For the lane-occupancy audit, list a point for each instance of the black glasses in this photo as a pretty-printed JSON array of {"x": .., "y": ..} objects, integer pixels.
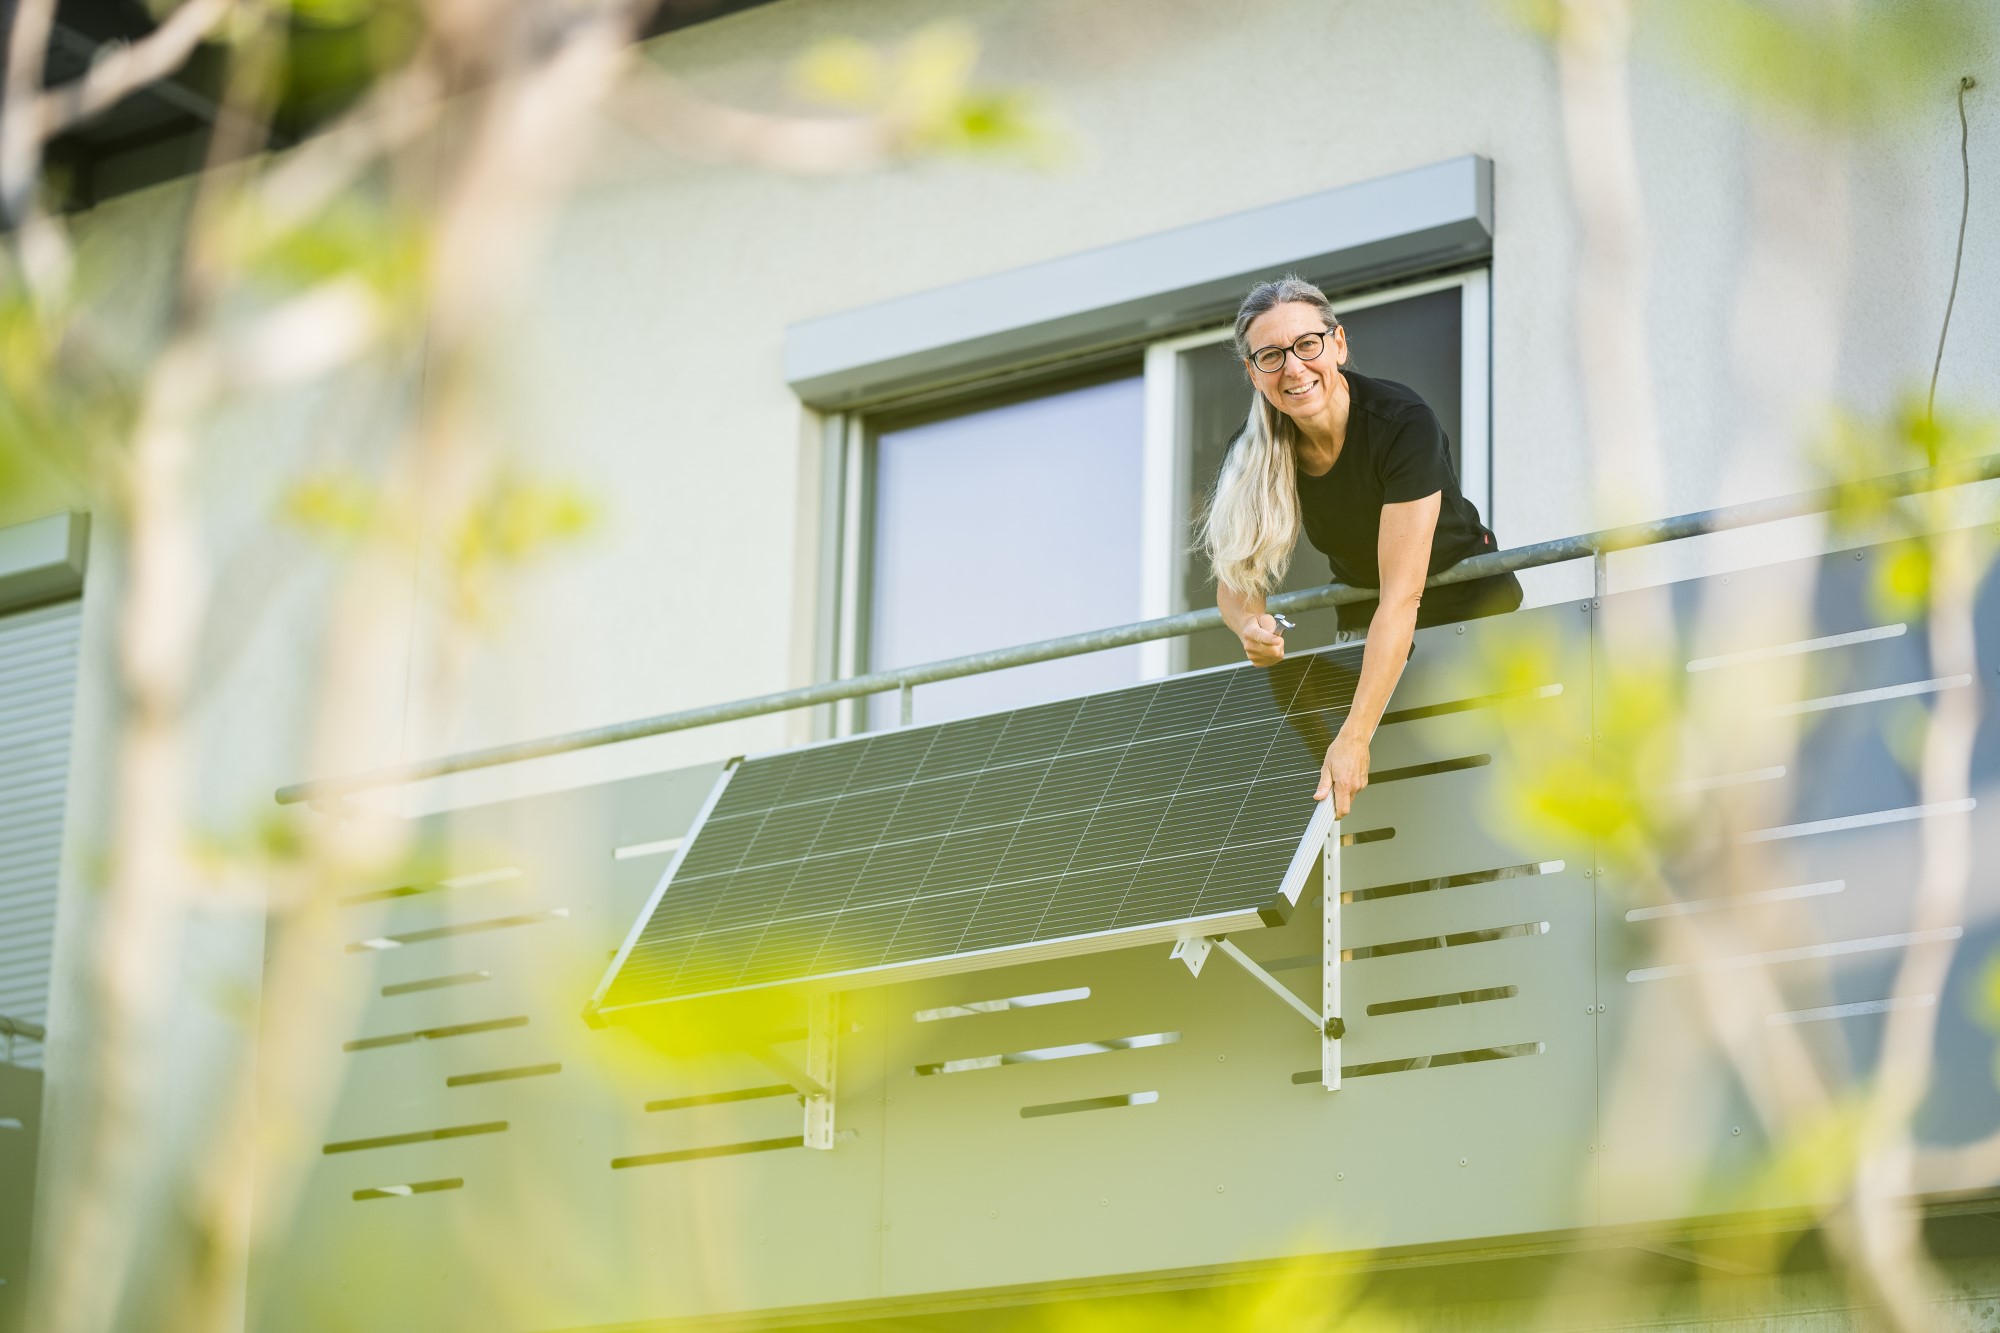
[{"x": 1305, "y": 348}]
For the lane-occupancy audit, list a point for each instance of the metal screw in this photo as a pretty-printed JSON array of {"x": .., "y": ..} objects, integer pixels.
[
  {"x": 993, "y": 1212},
  {"x": 1461, "y": 629},
  {"x": 1857, "y": 555},
  {"x": 1735, "y": 1129},
  {"x": 1218, "y": 1189},
  {"x": 1586, "y": 874},
  {"x": 1590, "y": 1147},
  {"x": 1587, "y": 1009},
  {"x": 1104, "y": 1203},
  {"x": 1461, "y": 1161},
  {"x": 1340, "y": 1175},
  {"x": 1221, "y": 1058}
]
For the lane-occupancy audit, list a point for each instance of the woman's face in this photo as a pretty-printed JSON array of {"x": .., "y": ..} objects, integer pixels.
[{"x": 1298, "y": 388}]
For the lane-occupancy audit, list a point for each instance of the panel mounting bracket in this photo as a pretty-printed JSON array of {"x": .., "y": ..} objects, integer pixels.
[
  {"x": 822, "y": 1052},
  {"x": 1332, "y": 1026},
  {"x": 1193, "y": 951},
  {"x": 814, "y": 1083}
]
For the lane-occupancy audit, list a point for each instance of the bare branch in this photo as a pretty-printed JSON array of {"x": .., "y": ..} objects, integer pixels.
[
  {"x": 665, "y": 111},
  {"x": 20, "y": 145},
  {"x": 121, "y": 71}
]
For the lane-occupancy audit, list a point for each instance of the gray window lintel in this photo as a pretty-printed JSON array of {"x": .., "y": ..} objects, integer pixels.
[
  {"x": 43, "y": 560},
  {"x": 1426, "y": 217}
]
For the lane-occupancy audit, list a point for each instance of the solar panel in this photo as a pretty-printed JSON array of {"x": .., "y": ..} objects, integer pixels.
[{"x": 1148, "y": 813}]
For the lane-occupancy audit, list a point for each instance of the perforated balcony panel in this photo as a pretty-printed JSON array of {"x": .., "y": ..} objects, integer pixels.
[
  {"x": 1793, "y": 914},
  {"x": 493, "y": 1162}
]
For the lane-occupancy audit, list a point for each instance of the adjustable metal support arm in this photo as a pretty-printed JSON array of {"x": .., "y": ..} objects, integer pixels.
[
  {"x": 1326, "y": 1020},
  {"x": 814, "y": 1083}
]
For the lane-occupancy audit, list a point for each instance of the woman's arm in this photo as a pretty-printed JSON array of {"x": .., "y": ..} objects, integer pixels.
[
  {"x": 1404, "y": 554},
  {"x": 1244, "y": 614}
]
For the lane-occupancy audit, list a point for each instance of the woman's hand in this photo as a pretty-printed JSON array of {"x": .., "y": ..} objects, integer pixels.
[
  {"x": 1262, "y": 643},
  {"x": 1343, "y": 773}
]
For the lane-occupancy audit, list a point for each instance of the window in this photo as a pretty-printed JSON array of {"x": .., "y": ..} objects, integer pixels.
[
  {"x": 1431, "y": 336},
  {"x": 982, "y": 522},
  {"x": 1010, "y": 522},
  {"x": 1070, "y": 505}
]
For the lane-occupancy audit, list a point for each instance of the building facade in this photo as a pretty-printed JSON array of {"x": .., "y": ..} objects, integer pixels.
[{"x": 842, "y": 424}]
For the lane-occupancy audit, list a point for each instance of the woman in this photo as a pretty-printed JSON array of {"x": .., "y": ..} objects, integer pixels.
[{"x": 1363, "y": 465}]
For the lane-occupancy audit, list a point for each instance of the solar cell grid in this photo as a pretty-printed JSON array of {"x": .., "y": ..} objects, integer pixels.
[{"x": 1167, "y": 801}]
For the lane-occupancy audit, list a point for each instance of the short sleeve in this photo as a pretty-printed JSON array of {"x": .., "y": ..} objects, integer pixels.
[{"x": 1417, "y": 461}]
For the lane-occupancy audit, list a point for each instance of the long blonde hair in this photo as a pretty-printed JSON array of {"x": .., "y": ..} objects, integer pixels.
[{"x": 1251, "y": 521}]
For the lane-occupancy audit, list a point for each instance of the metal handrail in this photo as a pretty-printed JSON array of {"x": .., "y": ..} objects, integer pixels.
[
  {"x": 22, "y": 1028},
  {"x": 1584, "y": 545}
]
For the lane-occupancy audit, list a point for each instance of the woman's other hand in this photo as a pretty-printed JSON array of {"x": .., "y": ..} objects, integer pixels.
[
  {"x": 1343, "y": 773},
  {"x": 1262, "y": 643}
]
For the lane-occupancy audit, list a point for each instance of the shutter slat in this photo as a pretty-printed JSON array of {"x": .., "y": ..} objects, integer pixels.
[{"x": 38, "y": 654}]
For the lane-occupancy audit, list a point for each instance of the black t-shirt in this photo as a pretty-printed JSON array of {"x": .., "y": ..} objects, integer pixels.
[{"x": 1395, "y": 451}]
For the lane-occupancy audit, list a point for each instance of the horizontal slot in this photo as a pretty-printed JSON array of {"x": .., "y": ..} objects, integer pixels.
[
  {"x": 435, "y": 983},
  {"x": 1089, "y": 1104},
  {"x": 1795, "y": 648},
  {"x": 405, "y": 1191},
  {"x": 1692, "y": 906},
  {"x": 1035, "y": 1001},
  {"x": 1427, "y": 770},
  {"x": 1367, "y": 835},
  {"x": 1472, "y": 1057},
  {"x": 381, "y": 942},
  {"x": 1804, "y": 953},
  {"x": 1855, "y": 1010},
  {"x": 639, "y": 849},
  {"x": 1453, "y": 941},
  {"x": 470, "y": 881},
  {"x": 502, "y": 1075},
  {"x": 433, "y": 1034},
  {"x": 1047, "y": 1053},
  {"x": 11, "y": 1122},
  {"x": 416, "y": 1136},
  {"x": 1692, "y": 786},
  {"x": 1411, "y": 1006},
  {"x": 697, "y": 1154},
  {"x": 721, "y": 1098},
  {"x": 1869, "y": 820},
  {"x": 1853, "y": 698},
  {"x": 1409, "y": 886},
  {"x": 1467, "y": 705}
]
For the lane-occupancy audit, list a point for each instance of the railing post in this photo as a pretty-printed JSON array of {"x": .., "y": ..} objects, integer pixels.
[{"x": 908, "y": 697}]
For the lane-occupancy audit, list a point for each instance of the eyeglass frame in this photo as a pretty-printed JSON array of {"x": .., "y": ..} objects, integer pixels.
[{"x": 1291, "y": 349}]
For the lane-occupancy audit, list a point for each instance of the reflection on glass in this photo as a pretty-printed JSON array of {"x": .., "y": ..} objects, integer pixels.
[{"x": 1000, "y": 527}]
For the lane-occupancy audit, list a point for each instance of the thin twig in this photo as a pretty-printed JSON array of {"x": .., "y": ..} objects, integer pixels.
[{"x": 1965, "y": 84}]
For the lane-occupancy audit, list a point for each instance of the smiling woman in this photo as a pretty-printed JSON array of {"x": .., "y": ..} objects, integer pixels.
[{"x": 1363, "y": 467}]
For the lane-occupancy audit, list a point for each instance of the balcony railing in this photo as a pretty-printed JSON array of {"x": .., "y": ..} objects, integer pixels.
[{"x": 1593, "y": 546}]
